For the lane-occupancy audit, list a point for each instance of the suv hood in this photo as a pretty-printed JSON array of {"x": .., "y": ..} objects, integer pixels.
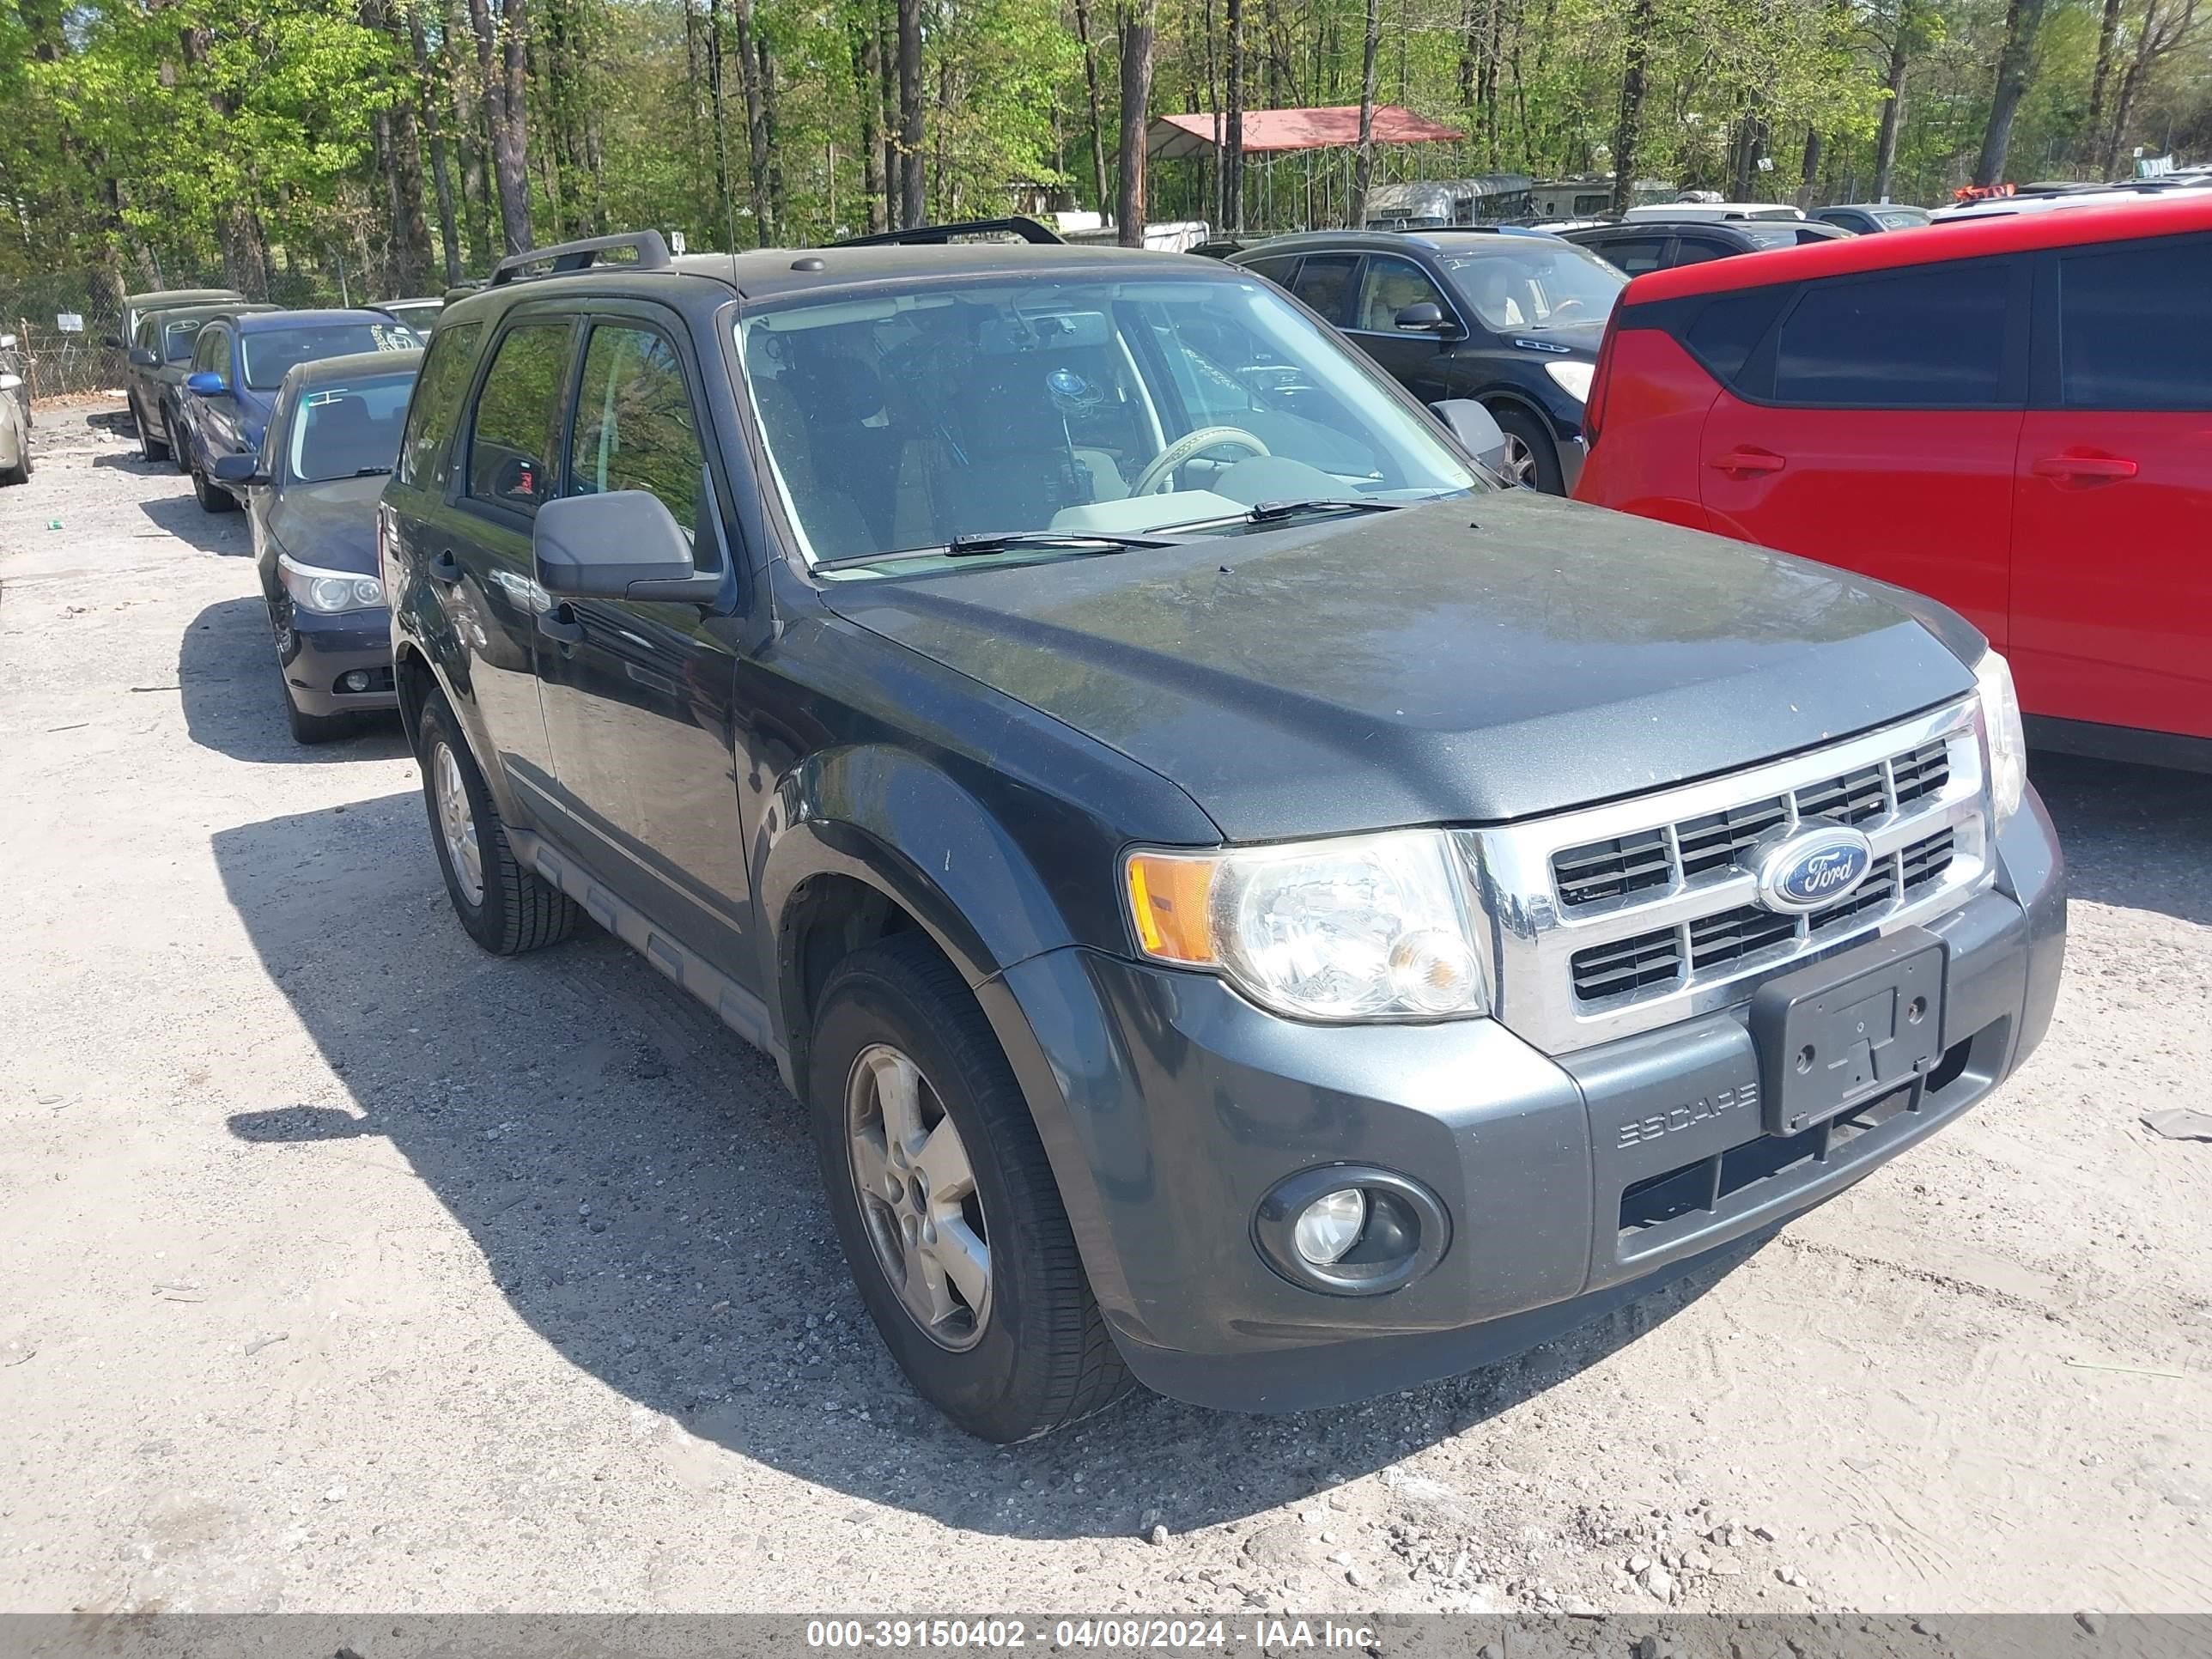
[{"x": 1413, "y": 668}]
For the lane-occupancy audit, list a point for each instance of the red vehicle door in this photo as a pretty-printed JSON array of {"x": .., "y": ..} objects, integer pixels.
[
  {"x": 2111, "y": 598},
  {"x": 1876, "y": 425}
]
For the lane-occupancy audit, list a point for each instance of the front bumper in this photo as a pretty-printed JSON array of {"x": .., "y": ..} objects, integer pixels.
[
  {"x": 1171, "y": 1106},
  {"x": 316, "y": 652}
]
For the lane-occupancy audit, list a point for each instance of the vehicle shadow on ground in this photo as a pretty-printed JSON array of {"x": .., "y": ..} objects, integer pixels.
[
  {"x": 133, "y": 462},
  {"x": 645, "y": 1195},
  {"x": 234, "y": 700},
  {"x": 183, "y": 516},
  {"x": 2139, "y": 837}
]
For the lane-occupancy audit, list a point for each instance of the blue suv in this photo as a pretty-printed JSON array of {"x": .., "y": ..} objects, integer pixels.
[{"x": 237, "y": 363}]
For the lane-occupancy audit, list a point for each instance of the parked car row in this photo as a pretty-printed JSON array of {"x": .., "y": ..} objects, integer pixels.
[{"x": 298, "y": 415}]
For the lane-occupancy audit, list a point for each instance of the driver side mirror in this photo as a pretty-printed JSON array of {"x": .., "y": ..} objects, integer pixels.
[
  {"x": 240, "y": 469},
  {"x": 206, "y": 383},
  {"x": 1426, "y": 318},
  {"x": 624, "y": 544},
  {"x": 1477, "y": 430},
  {"x": 113, "y": 342},
  {"x": 141, "y": 358}
]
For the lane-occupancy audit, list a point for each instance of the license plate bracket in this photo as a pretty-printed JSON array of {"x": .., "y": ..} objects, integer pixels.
[{"x": 1839, "y": 1032}]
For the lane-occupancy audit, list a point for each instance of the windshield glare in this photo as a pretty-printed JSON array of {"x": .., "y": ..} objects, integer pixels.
[
  {"x": 1534, "y": 285},
  {"x": 345, "y": 431},
  {"x": 898, "y": 422},
  {"x": 267, "y": 354}
]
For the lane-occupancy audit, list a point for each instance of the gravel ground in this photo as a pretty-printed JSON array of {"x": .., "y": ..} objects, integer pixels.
[{"x": 348, "y": 1268}]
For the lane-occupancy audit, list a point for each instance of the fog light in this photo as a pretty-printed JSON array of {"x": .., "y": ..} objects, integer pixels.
[
  {"x": 354, "y": 679},
  {"x": 1330, "y": 1225}
]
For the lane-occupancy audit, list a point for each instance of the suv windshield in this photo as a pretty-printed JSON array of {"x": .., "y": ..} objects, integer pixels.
[
  {"x": 1529, "y": 284},
  {"x": 347, "y": 431},
  {"x": 903, "y": 422},
  {"x": 268, "y": 353}
]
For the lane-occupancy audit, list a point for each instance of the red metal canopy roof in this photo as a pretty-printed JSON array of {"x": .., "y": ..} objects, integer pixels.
[{"x": 1270, "y": 131}]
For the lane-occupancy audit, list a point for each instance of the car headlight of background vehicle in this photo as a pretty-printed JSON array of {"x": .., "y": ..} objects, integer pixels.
[
  {"x": 1366, "y": 928},
  {"x": 1572, "y": 378},
  {"x": 328, "y": 593},
  {"x": 2008, "y": 736}
]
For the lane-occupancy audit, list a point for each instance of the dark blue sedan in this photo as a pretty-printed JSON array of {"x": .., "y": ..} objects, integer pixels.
[{"x": 237, "y": 363}]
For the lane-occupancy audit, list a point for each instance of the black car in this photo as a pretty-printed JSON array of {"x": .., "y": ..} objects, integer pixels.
[
  {"x": 312, "y": 493},
  {"x": 160, "y": 357},
  {"x": 1872, "y": 218},
  {"x": 1512, "y": 318},
  {"x": 1245, "y": 904},
  {"x": 1638, "y": 246}
]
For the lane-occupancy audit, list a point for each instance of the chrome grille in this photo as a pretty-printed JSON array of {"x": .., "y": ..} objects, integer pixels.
[{"x": 1622, "y": 918}]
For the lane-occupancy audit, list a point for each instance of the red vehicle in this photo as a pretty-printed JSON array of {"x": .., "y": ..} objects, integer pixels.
[{"x": 2012, "y": 414}]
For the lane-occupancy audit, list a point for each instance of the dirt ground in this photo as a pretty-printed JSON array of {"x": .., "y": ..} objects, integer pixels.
[{"x": 349, "y": 1268}]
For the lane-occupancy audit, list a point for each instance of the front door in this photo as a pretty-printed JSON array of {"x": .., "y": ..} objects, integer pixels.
[
  {"x": 2112, "y": 597},
  {"x": 638, "y": 696},
  {"x": 1417, "y": 359},
  {"x": 1874, "y": 430}
]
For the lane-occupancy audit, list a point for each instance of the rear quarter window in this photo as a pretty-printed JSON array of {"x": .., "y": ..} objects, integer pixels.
[{"x": 437, "y": 402}]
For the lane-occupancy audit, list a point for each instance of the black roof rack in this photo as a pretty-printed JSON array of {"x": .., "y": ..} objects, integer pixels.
[
  {"x": 1026, "y": 229},
  {"x": 566, "y": 257}
]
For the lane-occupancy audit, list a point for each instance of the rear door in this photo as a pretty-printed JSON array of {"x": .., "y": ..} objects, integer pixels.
[
  {"x": 1873, "y": 427},
  {"x": 2111, "y": 597},
  {"x": 639, "y": 697}
]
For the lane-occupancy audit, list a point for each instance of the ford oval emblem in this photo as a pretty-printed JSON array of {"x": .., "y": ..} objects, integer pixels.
[{"x": 1817, "y": 866}]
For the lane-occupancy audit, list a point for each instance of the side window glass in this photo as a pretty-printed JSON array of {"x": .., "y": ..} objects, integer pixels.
[
  {"x": 220, "y": 357},
  {"x": 1322, "y": 280},
  {"x": 1930, "y": 338},
  {"x": 438, "y": 391},
  {"x": 1695, "y": 250},
  {"x": 511, "y": 438},
  {"x": 1633, "y": 254},
  {"x": 1729, "y": 330},
  {"x": 203, "y": 349},
  {"x": 1389, "y": 287},
  {"x": 2136, "y": 327},
  {"x": 635, "y": 427},
  {"x": 1276, "y": 270}
]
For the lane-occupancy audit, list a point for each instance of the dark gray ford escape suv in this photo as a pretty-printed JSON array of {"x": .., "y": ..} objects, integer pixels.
[{"x": 1247, "y": 905}]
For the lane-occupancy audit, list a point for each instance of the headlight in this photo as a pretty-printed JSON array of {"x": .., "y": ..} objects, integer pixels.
[
  {"x": 328, "y": 593},
  {"x": 1367, "y": 927},
  {"x": 2007, "y": 738},
  {"x": 1573, "y": 379}
]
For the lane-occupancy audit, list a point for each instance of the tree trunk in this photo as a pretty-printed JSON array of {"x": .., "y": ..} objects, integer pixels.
[
  {"x": 1630, "y": 127},
  {"x": 411, "y": 224},
  {"x": 2015, "y": 62},
  {"x": 771, "y": 143},
  {"x": 913, "y": 201},
  {"x": 468, "y": 132},
  {"x": 1893, "y": 108},
  {"x": 2092, "y": 130},
  {"x": 741, "y": 22},
  {"x": 1232, "y": 143},
  {"x": 449, "y": 231},
  {"x": 868, "y": 88},
  {"x": 1091, "y": 92},
  {"x": 1138, "y": 18},
  {"x": 1809, "y": 179},
  {"x": 500, "y": 62},
  {"x": 888, "y": 107},
  {"x": 718, "y": 114},
  {"x": 1363, "y": 165}
]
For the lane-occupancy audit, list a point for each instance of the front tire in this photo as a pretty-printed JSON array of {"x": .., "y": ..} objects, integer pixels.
[
  {"x": 505, "y": 907},
  {"x": 213, "y": 497},
  {"x": 946, "y": 1204},
  {"x": 151, "y": 448},
  {"x": 1532, "y": 458}
]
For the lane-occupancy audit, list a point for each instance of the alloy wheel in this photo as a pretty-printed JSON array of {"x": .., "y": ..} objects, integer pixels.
[
  {"x": 1520, "y": 463},
  {"x": 918, "y": 1197},
  {"x": 457, "y": 823}
]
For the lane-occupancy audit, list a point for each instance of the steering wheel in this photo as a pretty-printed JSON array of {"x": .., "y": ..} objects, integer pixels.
[
  {"x": 1571, "y": 303},
  {"x": 1184, "y": 448}
]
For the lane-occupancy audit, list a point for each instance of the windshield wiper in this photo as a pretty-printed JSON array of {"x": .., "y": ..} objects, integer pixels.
[
  {"x": 1000, "y": 541},
  {"x": 1268, "y": 511}
]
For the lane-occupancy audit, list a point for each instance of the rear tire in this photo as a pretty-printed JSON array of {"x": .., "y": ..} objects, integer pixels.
[
  {"x": 1040, "y": 1357},
  {"x": 506, "y": 907},
  {"x": 180, "y": 442},
  {"x": 1532, "y": 458},
  {"x": 151, "y": 448}
]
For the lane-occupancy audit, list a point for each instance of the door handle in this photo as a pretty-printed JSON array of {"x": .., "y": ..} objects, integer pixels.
[
  {"x": 445, "y": 568},
  {"x": 2085, "y": 469},
  {"x": 560, "y": 623},
  {"x": 1742, "y": 462}
]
